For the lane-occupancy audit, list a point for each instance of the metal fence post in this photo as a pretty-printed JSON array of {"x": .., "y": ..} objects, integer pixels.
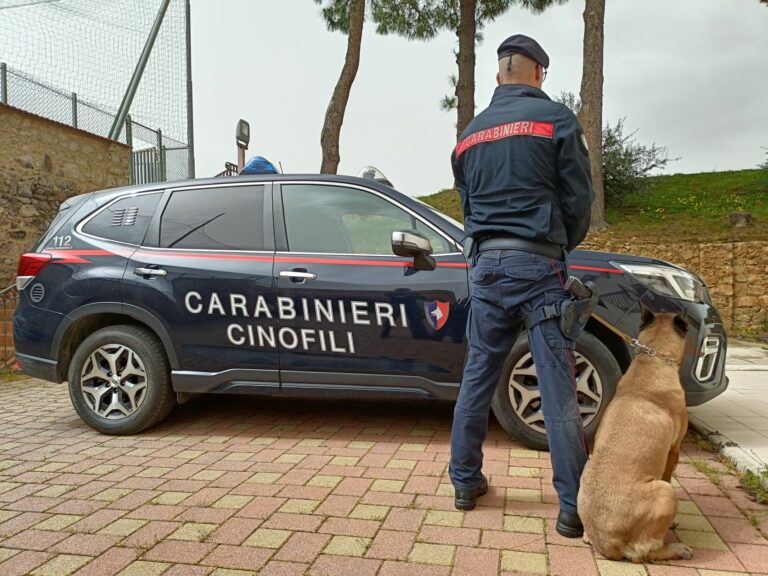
[
  {"x": 3, "y": 83},
  {"x": 160, "y": 156},
  {"x": 129, "y": 142},
  {"x": 190, "y": 124},
  {"x": 74, "y": 109}
]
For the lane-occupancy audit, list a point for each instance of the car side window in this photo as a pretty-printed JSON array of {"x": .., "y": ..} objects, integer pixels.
[
  {"x": 125, "y": 220},
  {"x": 225, "y": 218},
  {"x": 340, "y": 220}
]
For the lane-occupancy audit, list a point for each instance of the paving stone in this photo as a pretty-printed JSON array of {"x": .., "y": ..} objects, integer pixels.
[
  {"x": 268, "y": 538},
  {"x": 387, "y": 486},
  {"x": 345, "y": 461},
  {"x": 693, "y": 522},
  {"x": 472, "y": 562},
  {"x": 282, "y": 568},
  {"x": 39, "y": 540},
  {"x": 708, "y": 540},
  {"x": 23, "y": 563},
  {"x": 193, "y": 532},
  {"x": 144, "y": 568},
  {"x": 440, "y": 554},
  {"x": 122, "y": 527},
  {"x": 179, "y": 551},
  {"x": 754, "y": 558},
  {"x": 299, "y": 506},
  {"x": 330, "y": 565},
  {"x": 613, "y": 568},
  {"x": 347, "y": 545},
  {"x": 88, "y": 544},
  {"x": 264, "y": 478},
  {"x": 443, "y": 518},
  {"x": 392, "y": 568},
  {"x": 110, "y": 562},
  {"x": 369, "y": 512},
  {"x": 58, "y": 522},
  {"x": 325, "y": 481},
  {"x": 61, "y": 565},
  {"x": 302, "y": 547},
  {"x": 524, "y": 524},
  {"x": 568, "y": 560},
  {"x": 171, "y": 498},
  {"x": 350, "y": 527},
  {"x": 528, "y": 562},
  {"x": 232, "y": 502},
  {"x": 523, "y": 495},
  {"x": 399, "y": 464}
]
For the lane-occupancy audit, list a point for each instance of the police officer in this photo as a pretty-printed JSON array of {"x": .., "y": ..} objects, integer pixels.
[{"x": 523, "y": 173}]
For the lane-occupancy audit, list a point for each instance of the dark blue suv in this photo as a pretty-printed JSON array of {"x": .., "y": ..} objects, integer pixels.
[{"x": 284, "y": 285}]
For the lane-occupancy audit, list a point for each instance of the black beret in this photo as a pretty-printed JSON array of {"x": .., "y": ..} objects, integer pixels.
[{"x": 520, "y": 44}]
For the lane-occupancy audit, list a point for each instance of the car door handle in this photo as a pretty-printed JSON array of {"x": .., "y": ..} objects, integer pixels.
[
  {"x": 149, "y": 272},
  {"x": 297, "y": 276}
]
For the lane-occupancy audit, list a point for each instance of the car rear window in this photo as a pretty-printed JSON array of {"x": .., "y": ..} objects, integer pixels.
[
  {"x": 125, "y": 220},
  {"x": 214, "y": 219}
]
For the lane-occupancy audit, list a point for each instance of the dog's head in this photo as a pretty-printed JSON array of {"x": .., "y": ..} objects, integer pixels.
[{"x": 665, "y": 333}]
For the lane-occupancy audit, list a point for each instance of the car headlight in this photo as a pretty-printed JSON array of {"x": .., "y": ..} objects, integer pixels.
[{"x": 668, "y": 281}]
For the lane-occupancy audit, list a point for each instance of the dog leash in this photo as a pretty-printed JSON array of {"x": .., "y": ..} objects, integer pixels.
[{"x": 633, "y": 342}]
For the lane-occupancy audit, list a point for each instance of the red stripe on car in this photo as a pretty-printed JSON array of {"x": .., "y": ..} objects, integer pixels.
[
  {"x": 75, "y": 257},
  {"x": 594, "y": 269}
]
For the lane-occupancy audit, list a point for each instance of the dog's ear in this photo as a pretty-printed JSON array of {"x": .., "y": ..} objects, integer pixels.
[
  {"x": 680, "y": 325},
  {"x": 646, "y": 317}
]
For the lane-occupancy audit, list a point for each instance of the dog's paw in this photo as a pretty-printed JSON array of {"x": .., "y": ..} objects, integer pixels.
[
  {"x": 585, "y": 539},
  {"x": 673, "y": 525},
  {"x": 681, "y": 551}
]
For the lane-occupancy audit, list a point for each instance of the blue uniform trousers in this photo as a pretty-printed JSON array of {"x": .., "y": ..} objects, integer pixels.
[{"x": 505, "y": 285}]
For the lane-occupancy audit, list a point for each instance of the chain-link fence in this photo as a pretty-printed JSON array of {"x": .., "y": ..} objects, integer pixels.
[
  {"x": 73, "y": 60},
  {"x": 172, "y": 163}
]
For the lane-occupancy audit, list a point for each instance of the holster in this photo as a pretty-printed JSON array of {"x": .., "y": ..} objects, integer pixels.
[{"x": 574, "y": 313}]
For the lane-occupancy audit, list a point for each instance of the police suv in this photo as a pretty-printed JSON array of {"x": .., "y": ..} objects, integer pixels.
[{"x": 320, "y": 286}]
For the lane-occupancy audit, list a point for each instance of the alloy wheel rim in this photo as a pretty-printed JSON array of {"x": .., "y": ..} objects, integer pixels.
[
  {"x": 525, "y": 398},
  {"x": 113, "y": 382}
]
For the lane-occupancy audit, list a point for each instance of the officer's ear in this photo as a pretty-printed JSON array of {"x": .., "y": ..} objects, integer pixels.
[{"x": 498, "y": 79}]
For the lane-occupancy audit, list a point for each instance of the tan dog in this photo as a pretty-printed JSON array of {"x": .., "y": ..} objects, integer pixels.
[{"x": 626, "y": 501}]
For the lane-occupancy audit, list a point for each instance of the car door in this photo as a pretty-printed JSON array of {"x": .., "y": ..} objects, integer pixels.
[
  {"x": 353, "y": 318},
  {"x": 205, "y": 272}
]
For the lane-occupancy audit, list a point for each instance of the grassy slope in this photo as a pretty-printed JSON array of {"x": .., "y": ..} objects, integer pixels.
[{"x": 682, "y": 207}]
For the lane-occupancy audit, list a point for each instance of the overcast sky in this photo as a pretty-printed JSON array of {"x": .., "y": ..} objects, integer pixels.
[{"x": 691, "y": 75}]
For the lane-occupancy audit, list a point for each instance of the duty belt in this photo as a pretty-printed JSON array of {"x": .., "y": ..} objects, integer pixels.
[{"x": 508, "y": 243}]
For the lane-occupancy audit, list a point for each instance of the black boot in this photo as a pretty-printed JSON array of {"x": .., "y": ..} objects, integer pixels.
[
  {"x": 569, "y": 525},
  {"x": 466, "y": 499}
]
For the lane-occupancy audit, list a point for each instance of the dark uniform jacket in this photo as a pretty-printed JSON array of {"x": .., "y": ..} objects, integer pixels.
[{"x": 522, "y": 169}]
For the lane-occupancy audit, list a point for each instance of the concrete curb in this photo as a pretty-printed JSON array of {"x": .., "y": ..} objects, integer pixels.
[
  {"x": 742, "y": 459},
  {"x": 746, "y": 367}
]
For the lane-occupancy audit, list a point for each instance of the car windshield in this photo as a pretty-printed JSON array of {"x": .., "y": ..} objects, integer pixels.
[{"x": 445, "y": 217}]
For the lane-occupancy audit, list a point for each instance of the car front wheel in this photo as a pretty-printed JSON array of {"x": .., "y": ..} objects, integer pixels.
[
  {"x": 119, "y": 380},
  {"x": 517, "y": 400}
]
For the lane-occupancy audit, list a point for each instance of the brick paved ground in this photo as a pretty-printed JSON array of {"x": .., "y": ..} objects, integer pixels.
[{"x": 235, "y": 486}]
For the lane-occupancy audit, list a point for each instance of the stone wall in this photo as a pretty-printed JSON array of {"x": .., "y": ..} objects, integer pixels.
[
  {"x": 736, "y": 274},
  {"x": 42, "y": 163}
]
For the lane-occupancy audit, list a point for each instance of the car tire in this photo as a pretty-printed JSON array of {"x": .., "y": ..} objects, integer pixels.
[
  {"x": 136, "y": 396},
  {"x": 516, "y": 402}
]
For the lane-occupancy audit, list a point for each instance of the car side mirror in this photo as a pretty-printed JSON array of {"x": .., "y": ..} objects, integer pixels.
[{"x": 411, "y": 243}]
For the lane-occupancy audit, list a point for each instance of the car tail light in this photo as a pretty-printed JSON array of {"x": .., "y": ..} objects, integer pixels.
[{"x": 30, "y": 266}]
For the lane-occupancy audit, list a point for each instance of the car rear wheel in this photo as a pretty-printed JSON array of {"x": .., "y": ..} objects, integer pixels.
[
  {"x": 119, "y": 380},
  {"x": 517, "y": 400}
]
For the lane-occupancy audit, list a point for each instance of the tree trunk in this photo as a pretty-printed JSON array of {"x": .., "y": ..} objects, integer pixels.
[
  {"x": 465, "y": 58},
  {"x": 334, "y": 115},
  {"x": 591, "y": 116}
]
